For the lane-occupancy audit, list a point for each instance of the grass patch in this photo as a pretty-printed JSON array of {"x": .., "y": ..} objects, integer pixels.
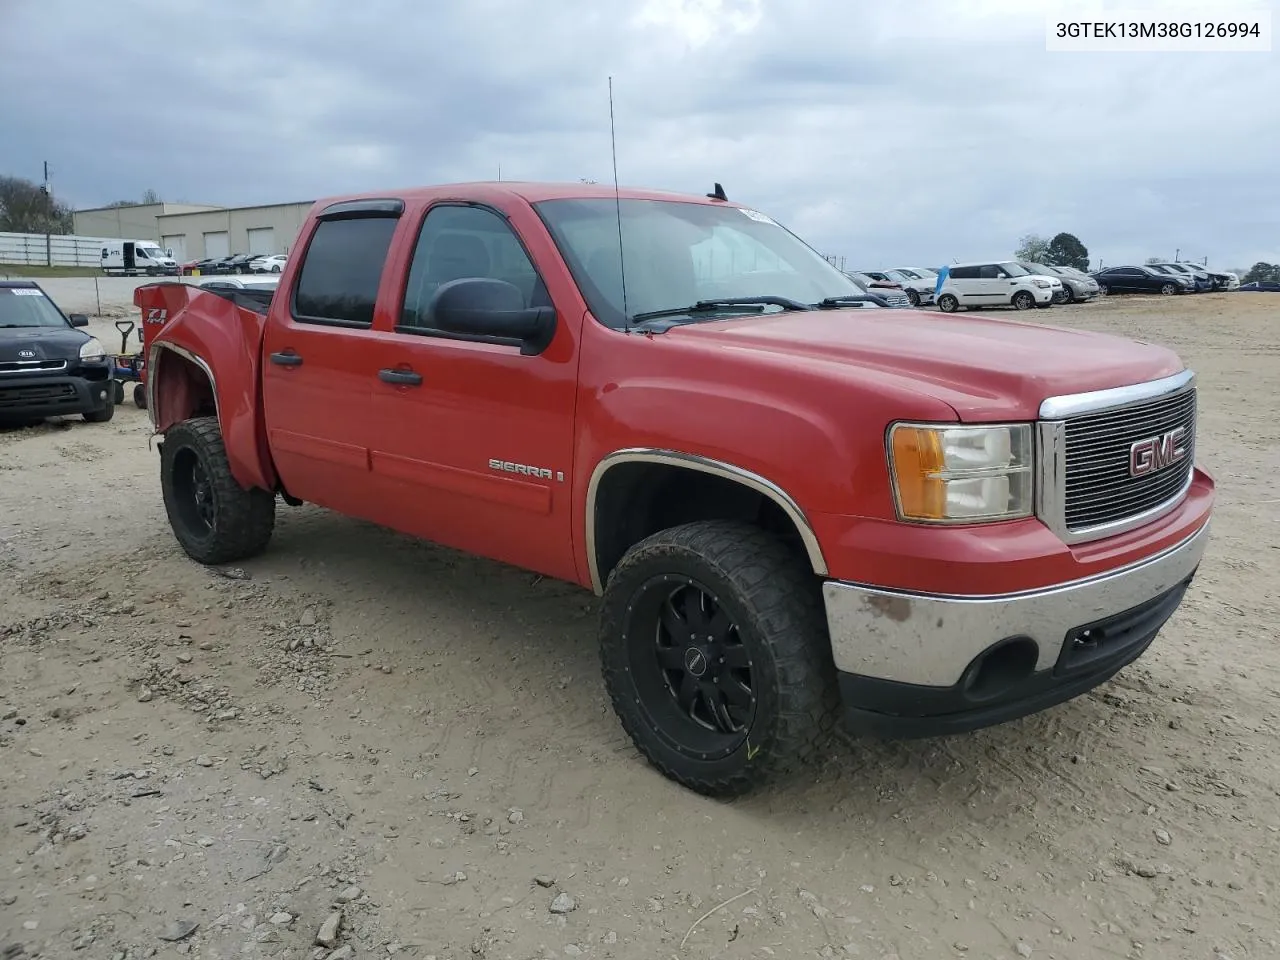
[{"x": 13, "y": 271}]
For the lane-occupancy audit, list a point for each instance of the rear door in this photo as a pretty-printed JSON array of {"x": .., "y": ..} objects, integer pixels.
[
  {"x": 320, "y": 360},
  {"x": 967, "y": 284}
]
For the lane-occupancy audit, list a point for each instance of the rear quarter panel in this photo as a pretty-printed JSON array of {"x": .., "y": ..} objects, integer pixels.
[{"x": 226, "y": 339}]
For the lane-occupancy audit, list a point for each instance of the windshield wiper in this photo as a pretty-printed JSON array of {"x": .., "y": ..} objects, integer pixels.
[
  {"x": 848, "y": 298},
  {"x": 727, "y": 303}
]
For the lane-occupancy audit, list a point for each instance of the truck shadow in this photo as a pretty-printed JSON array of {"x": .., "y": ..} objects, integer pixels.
[{"x": 516, "y": 655}]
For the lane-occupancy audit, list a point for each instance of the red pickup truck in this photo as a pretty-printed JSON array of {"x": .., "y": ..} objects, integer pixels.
[{"x": 798, "y": 506}]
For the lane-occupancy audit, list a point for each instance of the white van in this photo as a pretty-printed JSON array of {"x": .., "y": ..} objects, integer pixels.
[
  {"x": 130, "y": 258},
  {"x": 995, "y": 283}
]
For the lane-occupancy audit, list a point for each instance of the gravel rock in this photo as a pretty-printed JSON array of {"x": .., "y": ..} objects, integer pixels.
[
  {"x": 349, "y": 894},
  {"x": 1163, "y": 838},
  {"x": 145, "y": 696},
  {"x": 327, "y": 935},
  {"x": 178, "y": 930},
  {"x": 562, "y": 904}
]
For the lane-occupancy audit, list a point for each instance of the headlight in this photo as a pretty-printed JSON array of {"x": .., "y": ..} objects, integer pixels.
[
  {"x": 1043, "y": 283},
  {"x": 92, "y": 349},
  {"x": 961, "y": 474}
]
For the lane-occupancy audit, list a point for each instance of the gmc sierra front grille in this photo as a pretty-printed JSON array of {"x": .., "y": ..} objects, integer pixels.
[{"x": 1124, "y": 462}]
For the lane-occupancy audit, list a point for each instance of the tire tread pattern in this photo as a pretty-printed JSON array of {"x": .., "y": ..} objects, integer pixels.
[
  {"x": 786, "y": 602},
  {"x": 246, "y": 518}
]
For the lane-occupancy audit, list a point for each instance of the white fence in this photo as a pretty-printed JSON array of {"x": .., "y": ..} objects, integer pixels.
[{"x": 41, "y": 250}]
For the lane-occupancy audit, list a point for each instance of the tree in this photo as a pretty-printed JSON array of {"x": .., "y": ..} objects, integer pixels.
[
  {"x": 1262, "y": 271},
  {"x": 1066, "y": 250},
  {"x": 1155, "y": 260},
  {"x": 148, "y": 196},
  {"x": 26, "y": 208},
  {"x": 1032, "y": 248}
]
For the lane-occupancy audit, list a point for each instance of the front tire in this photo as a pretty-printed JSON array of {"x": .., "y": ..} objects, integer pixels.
[
  {"x": 1023, "y": 300},
  {"x": 213, "y": 518},
  {"x": 913, "y": 298},
  {"x": 715, "y": 653},
  {"x": 102, "y": 414},
  {"x": 140, "y": 396},
  {"x": 1168, "y": 290}
]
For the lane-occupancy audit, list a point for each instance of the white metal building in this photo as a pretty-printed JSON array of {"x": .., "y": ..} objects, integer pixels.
[{"x": 221, "y": 233}]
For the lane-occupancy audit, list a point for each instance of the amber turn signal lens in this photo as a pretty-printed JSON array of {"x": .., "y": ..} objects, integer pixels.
[{"x": 919, "y": 462}]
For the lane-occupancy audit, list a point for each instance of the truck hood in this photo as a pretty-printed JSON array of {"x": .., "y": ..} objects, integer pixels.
[
  {"x": 44, "y": 343},
  {"x": 985, "y": 368}
]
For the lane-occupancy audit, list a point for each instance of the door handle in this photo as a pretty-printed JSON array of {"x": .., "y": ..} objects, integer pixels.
[
  {"x": 401, "y": 378},
  {"x": 286, "y": 359}
]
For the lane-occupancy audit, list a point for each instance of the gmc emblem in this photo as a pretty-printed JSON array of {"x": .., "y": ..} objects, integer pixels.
[{"x": 1156, "y": 453}]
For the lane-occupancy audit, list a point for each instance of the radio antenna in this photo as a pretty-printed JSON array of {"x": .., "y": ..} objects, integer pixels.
[{"x": 617, "y": 204}]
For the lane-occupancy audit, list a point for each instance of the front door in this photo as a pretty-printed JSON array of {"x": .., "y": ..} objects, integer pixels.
[
  {"x": 320, "y": 362},
  {"x": 474, "y": 446}
]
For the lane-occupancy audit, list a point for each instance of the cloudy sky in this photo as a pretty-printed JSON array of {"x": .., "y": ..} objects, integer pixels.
[{"x": 917, "y": 131}]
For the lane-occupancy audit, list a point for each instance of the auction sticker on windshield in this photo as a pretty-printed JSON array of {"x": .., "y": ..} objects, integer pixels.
[
  {"x": 25, "y": 292},
  {"x": 757, "y": 216}
]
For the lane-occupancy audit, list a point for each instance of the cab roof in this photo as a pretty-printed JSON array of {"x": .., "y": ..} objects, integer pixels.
[{"x": 529, "y": 191}]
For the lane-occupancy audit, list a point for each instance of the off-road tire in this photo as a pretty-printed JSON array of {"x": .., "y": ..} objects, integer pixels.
[
  {"x": 102, "y": 414},
  {"x": 242, "y": 520},
  {"x": 140, "y": 396},
  {"x": 775, "y": 602},
  {"x": 1022, "y": 300},
  {"x": 117, "y": 391},
  {"x": 948, "y": 303}
]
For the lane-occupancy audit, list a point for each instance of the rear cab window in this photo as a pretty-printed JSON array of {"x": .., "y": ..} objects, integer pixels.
[{"x": 341, "y": 271}]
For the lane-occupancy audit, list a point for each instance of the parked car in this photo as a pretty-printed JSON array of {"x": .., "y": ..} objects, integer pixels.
[
  {"x": 1201, "y": 281},
  {"x": 1220, "y": 280},
  {"x": 1077, "y": 285},
  {"x": 917, "y": 282},
  {"x": 1071, "y": 289},
  {"x": 995, "y": 283},
  {"x": 208, "y": 267},
  {"x": 1261, "y": 286},
  {"x": 890, "y": 293},
  {"x": 1145, "y": 279},
  {"x": 239, "y": 263},
  {"x": 242, "y": 283},
  {"x": 270, "y": 264},
  {"x": 48, "y": 366},
  {"x": 792, "y": 511}
]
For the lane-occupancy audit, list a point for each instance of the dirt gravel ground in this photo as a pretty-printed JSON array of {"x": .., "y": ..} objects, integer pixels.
[{"x": 405, "y": 751}]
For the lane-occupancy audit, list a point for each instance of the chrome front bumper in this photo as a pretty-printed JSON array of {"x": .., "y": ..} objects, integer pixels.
[{"x": 931, "y": 640}]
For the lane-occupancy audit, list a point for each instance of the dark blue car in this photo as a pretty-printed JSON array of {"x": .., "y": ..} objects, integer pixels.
[{"x": 1261, "y": 286}]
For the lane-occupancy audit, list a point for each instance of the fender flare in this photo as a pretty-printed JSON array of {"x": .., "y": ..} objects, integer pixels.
[{"x": 689, "y": 461}]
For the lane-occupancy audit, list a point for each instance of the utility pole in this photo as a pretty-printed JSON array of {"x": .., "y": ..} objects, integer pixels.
[
  {"x": 48, "y": 241},
  {"x": 1176, "y": 251}
]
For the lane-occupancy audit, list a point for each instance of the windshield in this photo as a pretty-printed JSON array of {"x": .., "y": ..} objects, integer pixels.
[
  {"x": 1039, "y": 268},
  {"x": 678, "y": 254},
  {"x": 1015, "y": 270},
  {"x": 28, "y": 307},
  {"x": 154, "y": 253}
]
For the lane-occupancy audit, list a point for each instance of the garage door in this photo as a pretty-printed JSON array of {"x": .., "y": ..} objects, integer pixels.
[
  {"x": 262, "y": 241},
  {"x": 217, "y": 245},
  {"x": 177, "y": 244}
]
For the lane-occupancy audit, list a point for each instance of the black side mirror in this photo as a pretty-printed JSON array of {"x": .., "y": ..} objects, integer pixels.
[
  {"x": 492, "y": 309},
  {"x": 78, "y": 320}
]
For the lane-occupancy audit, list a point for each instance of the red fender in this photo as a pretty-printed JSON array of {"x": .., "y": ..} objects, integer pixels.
[{"x": 186, "y": 329}]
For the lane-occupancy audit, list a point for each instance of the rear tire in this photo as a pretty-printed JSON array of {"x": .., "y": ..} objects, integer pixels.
[
  {"x": 715, "y": 653},
  {"x": 213, "y": 518},
  {"x": 117, "y": 391},
  {"x": 140, "y": 396},
  {"x": 947, "y": 303}
]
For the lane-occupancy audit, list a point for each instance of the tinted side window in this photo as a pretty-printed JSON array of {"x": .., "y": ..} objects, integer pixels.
[
  {"x": 338, "y": 283},
  {"x": 990, "y": 271},
  {"x": 457, "y": 243},
  {"x": 964, "y": 273}
]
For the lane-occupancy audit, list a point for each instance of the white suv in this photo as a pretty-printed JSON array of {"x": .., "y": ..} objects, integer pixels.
[
  {"x": 917, "y": 282},
  {"x": 995, "y": 283}
]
